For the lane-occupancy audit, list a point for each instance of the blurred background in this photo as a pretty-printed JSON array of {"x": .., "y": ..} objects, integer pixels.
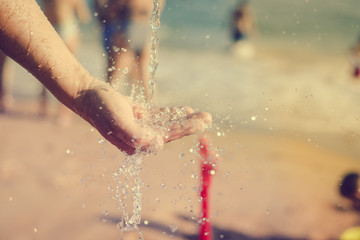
[{"x": 284, "y": 100}]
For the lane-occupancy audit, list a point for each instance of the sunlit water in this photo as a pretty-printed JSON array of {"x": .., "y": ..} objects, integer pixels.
[
  {"x": 129, "y": 183},
  {"x": 155, "y": 25}
]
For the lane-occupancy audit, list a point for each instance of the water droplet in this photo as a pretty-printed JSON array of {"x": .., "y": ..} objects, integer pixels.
[
  {"x": 253, "y": 118},
  {"x": 68, "y": 151},
  {"x": 10, "y": 198},
  {"x": 96, "y": 14},
  {"x": 212, "y": 172},
  {"x": 173, "y": 228},
  {"x": 163, "y": 185},
  {"x": 116, "y": 49},
  {"x": 101, "y": 140},
  {"x": 146, "y": 222},
  {"x": 221, "y": 236},
  {"x": 193, "y": 175},
  {"x": 35, "y": 230},
  {"x": 106, "y": 213},
  {"x": 182, "y": 156}
]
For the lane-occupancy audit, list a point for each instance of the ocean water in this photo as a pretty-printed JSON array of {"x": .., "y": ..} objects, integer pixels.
[
  {"x": 329, "y": 25},
  {"x": 300, "y": 78}
]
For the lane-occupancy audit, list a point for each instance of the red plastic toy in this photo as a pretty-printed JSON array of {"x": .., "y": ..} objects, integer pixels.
[{"x": 208, "y": 163}]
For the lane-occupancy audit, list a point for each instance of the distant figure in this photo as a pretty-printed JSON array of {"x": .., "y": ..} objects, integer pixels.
[
  {"x": 350, "y": 189},
  {"x": 355, "y": 59},
  {"x": 6, "y": 99},
  {"x": 127, "y": 40},
  {"x": 63, "y": 15},
  {"x": 242, "y": 26}
]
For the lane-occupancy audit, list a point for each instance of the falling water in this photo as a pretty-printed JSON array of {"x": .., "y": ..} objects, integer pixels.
[
  {"x": 129, "y": 183},
  {"x": 155, "y": 25},
  {"x": 128, "y": 189}
]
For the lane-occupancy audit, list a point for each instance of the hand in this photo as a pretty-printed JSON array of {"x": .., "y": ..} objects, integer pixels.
[{"x": 133, "y": 127}]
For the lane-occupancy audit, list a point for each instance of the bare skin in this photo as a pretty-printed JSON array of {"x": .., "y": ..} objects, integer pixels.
[
  {"x": 243, "y": 20},
  {"x": 137, "y": 62},
  {"x": 6, "y": 99},
  {"x": 61, "y": 13},
  {"x": 356, "y": 198},
  {"x": 28, "y": 38}
]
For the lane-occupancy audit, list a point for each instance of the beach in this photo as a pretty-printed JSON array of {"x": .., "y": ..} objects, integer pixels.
[
  {"x": 285, "y": 126},
  {"x": 55, "y": 185},
  {"x": 282, "y": 152}
]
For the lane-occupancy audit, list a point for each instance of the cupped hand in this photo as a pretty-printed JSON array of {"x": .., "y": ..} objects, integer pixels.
[{"x": 133, "y": 127}]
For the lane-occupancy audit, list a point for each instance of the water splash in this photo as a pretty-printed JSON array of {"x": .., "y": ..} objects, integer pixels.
[
  {"x": 129, "y": 183},
  {"x": 155, "y": 25},
  {"x": 129, "y": 192}
]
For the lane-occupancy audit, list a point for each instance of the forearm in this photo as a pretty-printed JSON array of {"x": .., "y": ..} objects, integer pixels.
[{"x": 28, "y": 38}]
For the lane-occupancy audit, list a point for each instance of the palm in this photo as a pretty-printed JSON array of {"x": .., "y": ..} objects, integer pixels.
[{"x": 131, "y": 126}]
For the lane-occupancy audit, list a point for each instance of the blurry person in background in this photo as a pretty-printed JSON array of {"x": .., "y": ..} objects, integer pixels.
[
  {"x": 64, "y": 16},
  {"x": 127, "y": 41},
  {"x": 6, "y": 100},
  {"x": 242, "y": 27},
  {"x": 355, "y": 59},
  {"x": 350, "y": 189},
  {"x": 28, "y": 38}
]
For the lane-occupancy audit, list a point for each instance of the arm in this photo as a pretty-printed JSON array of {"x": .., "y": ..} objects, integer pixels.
[{"x": 28, "y": 38}]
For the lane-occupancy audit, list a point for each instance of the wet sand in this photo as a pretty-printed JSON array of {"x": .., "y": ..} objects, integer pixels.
[{"x": 54, "y": 184}]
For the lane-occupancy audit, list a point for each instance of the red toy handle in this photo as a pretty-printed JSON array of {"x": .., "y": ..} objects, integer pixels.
[{"x": 208, "y": 161}]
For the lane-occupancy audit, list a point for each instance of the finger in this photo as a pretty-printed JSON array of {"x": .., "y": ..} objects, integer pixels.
[
  {"x": 192, "y": 124},
  {"x": 163, "y": 116},
  {"x": 139, "y": 111},
  {"x": 174, "y": 110},
  {"x": 188, "y": 110}
]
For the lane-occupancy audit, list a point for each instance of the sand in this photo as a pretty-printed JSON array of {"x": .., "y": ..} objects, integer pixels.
[
  {"x": 55, "y": 184},
  {"x": 295, "y": 133}
]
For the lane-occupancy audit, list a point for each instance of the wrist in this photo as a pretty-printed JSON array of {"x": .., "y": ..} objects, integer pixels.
[{"x": 84, "y": 89}]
